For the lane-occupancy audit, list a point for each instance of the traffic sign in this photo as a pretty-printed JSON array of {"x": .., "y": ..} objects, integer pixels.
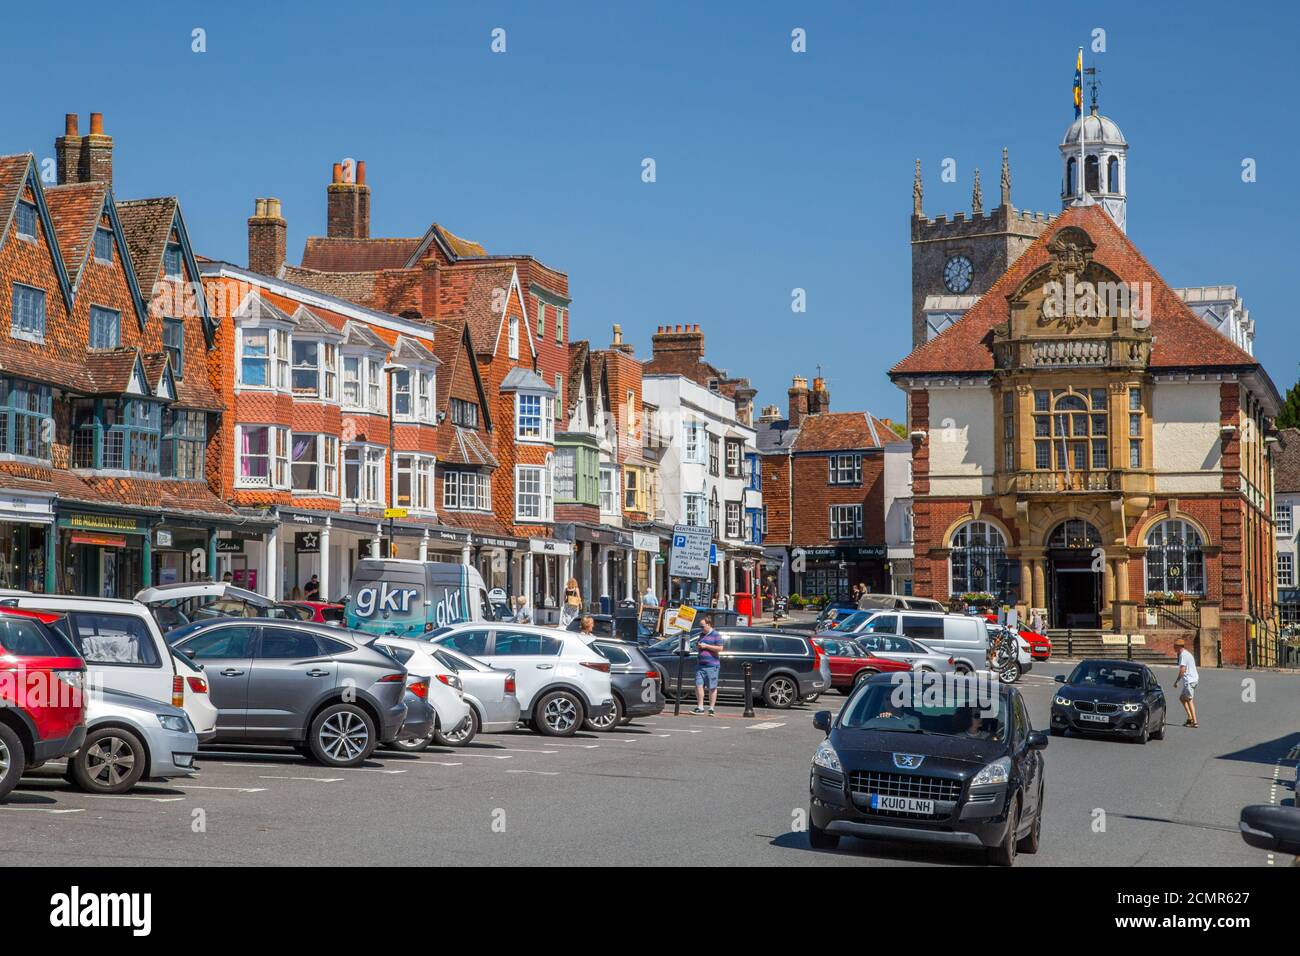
[
  {"x": 395, "y": 512},
  {"x": 691, "y": 551}
]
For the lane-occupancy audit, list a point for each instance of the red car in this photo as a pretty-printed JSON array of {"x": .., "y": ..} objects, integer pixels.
[
  {"x": 42, "y": 704},
  {"x": 850, "y": 663},
  {"x": 1040, "y": 647},
  {"x": 319, "y": 612}
]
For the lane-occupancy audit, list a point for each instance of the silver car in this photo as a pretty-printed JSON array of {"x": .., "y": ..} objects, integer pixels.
[
  {"x": 894, "y": 647},
  {"x": 321, "y": 689},
  {"x": 131, "y": 738},
  {"x": 490, "y": 692}
]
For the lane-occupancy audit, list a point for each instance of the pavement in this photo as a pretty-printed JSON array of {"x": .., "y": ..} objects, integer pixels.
[{"x": 669, "y": 790}]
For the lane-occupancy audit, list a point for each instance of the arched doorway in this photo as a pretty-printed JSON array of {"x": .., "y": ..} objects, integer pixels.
[{"x": 1074, "y": 584}]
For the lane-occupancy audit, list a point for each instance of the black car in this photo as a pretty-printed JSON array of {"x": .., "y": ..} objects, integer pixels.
[
  {"x": 636, "y": 683},
  {"x": 784, "y": 668},
  {"x": 939, "y": 759},
  {"x": 605, "y": 625},
  {"x": 1117, "y": 698}
]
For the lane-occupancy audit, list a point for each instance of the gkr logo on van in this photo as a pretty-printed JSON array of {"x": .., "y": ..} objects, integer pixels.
[{"x": 383, "y": 600}]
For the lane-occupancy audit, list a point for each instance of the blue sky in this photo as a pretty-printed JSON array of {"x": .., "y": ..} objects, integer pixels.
[{"x": 775, "y": 170}]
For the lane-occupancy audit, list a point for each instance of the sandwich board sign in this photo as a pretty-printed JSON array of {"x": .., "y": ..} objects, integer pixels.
[
  {"x": 691, "y": 551},
  {"x": 682, "y": 619}
]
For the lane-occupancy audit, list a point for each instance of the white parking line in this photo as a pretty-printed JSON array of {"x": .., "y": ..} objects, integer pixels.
[
  {"x": 513, "y": 750},
  {"x": 371, "y": 770},
  {"x": 312, "y": 779},
  {"x": 111, "y": 796},
  {"x": 44, "y": 809},
  {"x": 540, "y": 773},
  {"x": 487, "y": 756},
  {"x": 196, "y": 786},
  {"x": 768, "y": 725}
]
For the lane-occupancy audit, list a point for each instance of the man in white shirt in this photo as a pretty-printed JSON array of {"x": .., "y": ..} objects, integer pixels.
[{"x": 1186, "y": 680}]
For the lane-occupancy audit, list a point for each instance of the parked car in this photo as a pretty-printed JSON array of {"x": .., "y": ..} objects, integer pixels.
[
  {"x": 319, "y": 612},
  {"x": 898, "y": 602},
  {"x": 489, "y": 691},
  {"x": 962, "y": 637},
  {"x": 42, "y": 694},
  {"x": 130, "y": 738},
  {"x": 445, "y": 692},
  {"x": 1013, "y": 670},
  {"x": 408, "y": 598},
  {"x": 310, "y": 685},
  {"x": 421, "y": 717},
  {"x": 606, "y": 625},
  {"x": 1040, "y": 645},
  {"x": 892, "y": 646},
  {"x": 832, "y": 612},
  {"x": 560, "y": 681},
  {"x": 963, "y": 768},
  {"x": 175, "y": 605},
  {"x": 1117, "y": 698},
  {"x": 124, "y": 649},
  {"x": 850, "y": 664},
  {"x": 786, "y": 668},
  {"x": 635, "y": 682}
]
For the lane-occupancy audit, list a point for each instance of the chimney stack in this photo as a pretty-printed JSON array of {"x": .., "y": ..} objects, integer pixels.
[
  {"x": 770, "y": 413},
  {"x": 347, "y": 204},
  {"x": 618, "y": 345},
  {"x": 686, "y": 343},
  {"x": 798, "y": 401},
  {"x": 820, "y": 398},
  {"x": 97, "y": 153},
  {"x": 67, "y": 152},
  {"x": 267, "y": 232}
]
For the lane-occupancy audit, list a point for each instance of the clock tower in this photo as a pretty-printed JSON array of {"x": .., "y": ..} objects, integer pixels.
[{"x": 955, "y": 260}]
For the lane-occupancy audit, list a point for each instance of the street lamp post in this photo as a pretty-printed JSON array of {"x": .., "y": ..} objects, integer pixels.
[{"x": 390, "y": 370}]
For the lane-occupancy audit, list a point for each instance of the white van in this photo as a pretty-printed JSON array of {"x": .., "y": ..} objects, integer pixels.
[
  {"x": 124, "y": 650},
  {"x": 406, "y": 598},
  {"x": 960, "y": 636}
]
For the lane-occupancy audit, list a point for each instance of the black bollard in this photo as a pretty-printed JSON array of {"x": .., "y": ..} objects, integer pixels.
[
  {"x": 681, "y": 661},
  {"x": 749, "y": 689}
]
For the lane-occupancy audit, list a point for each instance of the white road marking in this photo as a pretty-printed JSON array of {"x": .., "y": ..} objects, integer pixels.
[
  {"x": 44, "y": 809},
  {"x": 195, "y": 786},
  {"x": 766, "y": 725},
  {"x": 112, "y": 796},
  {"x": 513, "y": 750},
  {"x": 371, "y": 770},
  {"x": 487, "y": 756},
  {"x": 540, "y": 773},
  {"x": 312, "y": 779}
]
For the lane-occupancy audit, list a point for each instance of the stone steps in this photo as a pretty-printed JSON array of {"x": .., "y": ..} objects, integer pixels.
[{"x": 1089, "y": 643}]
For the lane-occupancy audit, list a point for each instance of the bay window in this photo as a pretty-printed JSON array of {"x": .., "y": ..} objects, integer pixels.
[
  {"x": 352, "y": 381},
  {"x": 363, "y": 474},
  {"x": 533, "y": 492},
  {"x": 413, "y": 477},
  {"x": 413, "y": 391},
  {"x": 374, "y": 384},
  {"x": 608, "y": 489},
  {"x": 264, "y": 358},
  {"x": 733, "y": 520},
  {"x": 315, "y": 369},
  {"x": 26, "y": 425},
  {"x": 263, "y": 452},
  {"x": 117, "y": 434},
  {"x": 534, "y": 417},
  {"x": 466, "y": 491},
  {"x": 315, "y": 464},
  {"x": 184, "y": 443},
  {"x": 694, "y": 451},
  {"x": 695, "y": 510}
]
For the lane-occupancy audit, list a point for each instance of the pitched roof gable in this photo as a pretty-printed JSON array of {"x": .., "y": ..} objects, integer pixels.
[
  {"x": 1179, "y": 338},
  {"x": 17, "y": 172},
  {"x": 842, "y": 431},
  {"x": 77, "y": 209},
  {"x": 147, "y": 226}
]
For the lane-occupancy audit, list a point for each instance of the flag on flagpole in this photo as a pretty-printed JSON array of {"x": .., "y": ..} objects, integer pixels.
[{"x": 1078, "y": 85}]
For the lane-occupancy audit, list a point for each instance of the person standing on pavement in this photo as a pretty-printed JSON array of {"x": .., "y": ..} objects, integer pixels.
[
  {"x": 649, "y": 599},
  {"x": 522, "y": 614},
  {"x": 1187, "y": 679},
  {"x": 572, "y": 603},
  {"x": 709, "y": 665},
  {"x": 311, "y": 591}
]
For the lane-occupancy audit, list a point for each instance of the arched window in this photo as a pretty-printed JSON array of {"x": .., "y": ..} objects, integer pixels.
[
  {"x": 978, "y": 558},
  {"x": 1112, "y": 175},
  {"x": 1091, "y": 171},
  {"x": 1175, "y": 560},
  {"x": 1071, "y": 168},
  {"x": 1074, "y": 533},
  {"x": 1071, "y": 428}
]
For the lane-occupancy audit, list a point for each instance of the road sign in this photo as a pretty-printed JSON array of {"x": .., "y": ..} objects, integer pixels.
[
  {"x": 691, "y": 549},
  {"x": 395, "y": 512}
]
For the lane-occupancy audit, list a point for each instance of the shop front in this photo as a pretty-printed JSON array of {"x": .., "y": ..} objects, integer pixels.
[
  {"x": 181, "y": 553},
  {"x": 832, "y": 572},
  {"x": 649, "y": 564},
  {"x": 498, "y": 560},
  {"x": 547, "y": 566},
  {"x": 104, "y": 555},
  {"x": 26, "y": 541}
]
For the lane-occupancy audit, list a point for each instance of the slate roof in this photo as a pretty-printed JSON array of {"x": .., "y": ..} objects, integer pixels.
[
  {"x": 413, "y": 350},
  {"x": 360, "y": 334},
  {"x": 312, "y": 324},
  {"x": 1180, "y": 338},
  {"x": 526, "y": 379},
  {"x": 775, "y": 436}
]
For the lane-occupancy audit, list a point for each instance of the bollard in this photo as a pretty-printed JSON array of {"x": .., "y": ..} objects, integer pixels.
[
  {"x": 749, "y": 689},
  {"x": 1069, "y": 643},
  {"x": 681, "y": 662},
  {"x": 1130, "y": 646}
]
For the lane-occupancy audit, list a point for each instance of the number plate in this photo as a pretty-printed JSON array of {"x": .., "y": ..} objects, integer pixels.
[
  {"x": 901, "y": 804},
  {"x": 1095, "y": 718}
]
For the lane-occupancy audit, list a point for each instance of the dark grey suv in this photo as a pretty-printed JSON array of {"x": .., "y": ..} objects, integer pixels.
[
  {"x": 322, "y": 689},
  {"x": 786, "y": 668},
  {"x": 636, "y": 683}
]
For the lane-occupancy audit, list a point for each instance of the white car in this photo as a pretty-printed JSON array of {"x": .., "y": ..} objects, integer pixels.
[
  {"x": 446, "y": 693},
  {"x": 131, "y": 738},
  {"x": 560, "y": 681},
  {"x": 124, "y": 650},
  {"x": 896, "y": 648}
]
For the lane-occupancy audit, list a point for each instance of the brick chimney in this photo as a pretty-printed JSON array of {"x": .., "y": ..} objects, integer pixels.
[
  {"x": 820, "y": 398},
  {"x": 97, "y": 153},
  {"x": 347, "y": 205},
  {"x": 769, "y": 414},
  {"x": 67, "y": 151},
  {"x": 267, "y": 231},
  {"x": 798, "y": 393},
  {"x": 685, "y": 343}
]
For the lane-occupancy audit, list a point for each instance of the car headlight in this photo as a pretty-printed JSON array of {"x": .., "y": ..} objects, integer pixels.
[
  {"x": 1062, "y": 701},
  {"x": 998, "y": 772},
  {"x": 1132, "y": 708},
  {"x": 176, "y": 724},
  {"x": 827, "y": 757}
]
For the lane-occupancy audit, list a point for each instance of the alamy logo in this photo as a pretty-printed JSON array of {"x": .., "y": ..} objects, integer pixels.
[{"x": 76, "y": 909}]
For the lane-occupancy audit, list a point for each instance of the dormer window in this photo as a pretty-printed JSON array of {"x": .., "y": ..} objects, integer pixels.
[
  {"x": 25, "y": 220},
  {"x": 105, "y": 328},
  {"x": 104, "y": 245},
  {"x": 463, "y": 413},
  {"x": 413, "y": 391},
  {"x": 514, "y": 337},
  {"x": 173, "y": 265},
  {"x": 174, "y": 344},
  {"x": 534, "y": 417},
  {"x": 315, "y": 369},
  {"x": 264, "y": 358}
]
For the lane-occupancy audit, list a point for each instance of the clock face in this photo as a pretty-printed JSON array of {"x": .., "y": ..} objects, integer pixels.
[{"x": 957, "y": 274}]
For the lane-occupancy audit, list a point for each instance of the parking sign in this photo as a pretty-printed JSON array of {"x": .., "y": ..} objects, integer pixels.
[{"x": 690, "y": 555}]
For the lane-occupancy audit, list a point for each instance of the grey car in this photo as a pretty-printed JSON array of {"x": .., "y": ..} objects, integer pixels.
[
  {"x": 131, "y": 738},
  {"x": 321, "y": 689},
  {"x": 489, "y": 691},
  {"x": 635, "y": 682}
]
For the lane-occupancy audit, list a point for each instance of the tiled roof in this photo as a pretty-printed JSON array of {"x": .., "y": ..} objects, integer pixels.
[
  {"x": 360, "y": 334},
  {"x": 356, "y": 287},
  {"x": 146, "y": 224},
  {"x": 842, "y": 431},
  {"x": 108, "y": 371},
  {"x": 1286, "y": 463},
  {"x": 481, "y": 522},
  {"x": 466, "y": 447},
  {"x": 75, "y": 209},
  {"x": 1179, "y": 338},
  {"x": 163, "y": 494},
  {"x": 480, "y": 298},
  {"x": 578, "y": 370},
  {"x": 325, "y": 254},
  {"x": 13, "y": 169}
]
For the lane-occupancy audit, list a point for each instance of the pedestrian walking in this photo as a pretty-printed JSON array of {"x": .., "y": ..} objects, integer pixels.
[
  {"x": 708, "y": 666},
  {"x": 1186, "y": 681},
  {"x": 522, "y": 614},
  {"x": 572, "y": 603},
  {"x": 649, "y": 599}
]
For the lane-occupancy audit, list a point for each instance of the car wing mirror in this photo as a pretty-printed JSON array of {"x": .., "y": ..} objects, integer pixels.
[
  {"x": 1037, "y": 740},
  {"x": 1271, "y": 828},
  {"x": 822, "y": 721},
  {"x": 188, "y": 652},
  {"x": 1059, "y": 678}
]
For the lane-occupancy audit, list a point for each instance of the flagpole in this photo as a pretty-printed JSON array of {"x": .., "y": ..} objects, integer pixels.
[{"x": 1082, "y": 127}]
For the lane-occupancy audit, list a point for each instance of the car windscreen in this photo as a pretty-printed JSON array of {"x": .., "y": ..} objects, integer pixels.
[
  {"x": 24, "y": 637},
  {"x": 1106, "y": 674},
  {"x": 956, "y": 708},
  {"x": 852, "y": 621}
]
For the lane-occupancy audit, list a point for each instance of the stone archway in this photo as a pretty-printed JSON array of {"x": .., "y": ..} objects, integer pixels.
[
  {"x": 1061, "y": 563},
  {"x": 1074, "y": 574}
]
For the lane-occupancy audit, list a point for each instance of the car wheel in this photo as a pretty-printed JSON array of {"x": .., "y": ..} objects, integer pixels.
[
  {"x": 812, "y": 698},
  {"x": 410, "y": 745},
  {"x": 1144, "y": 735},
  {"x": 1030, "y": 843},
  {"x": 863, "y": 674},
  {"x": 13, "y": 760},
  {"x": 960, "y": 669},
  {"x": 780, "y": 692},
  {"x": 1004, "y": 854},
  {"x": 558, "y": 714},
  {"x": 467, "y": 732},
  {"x": 819, "y": 839},
  {"x": 110, "y": 761},
  {"x": 342, "y": 736},
  {"x": 1159, "y": 732},
  {"x": 1010, "y": 673},
  {"x": 604, "y": 724}
]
